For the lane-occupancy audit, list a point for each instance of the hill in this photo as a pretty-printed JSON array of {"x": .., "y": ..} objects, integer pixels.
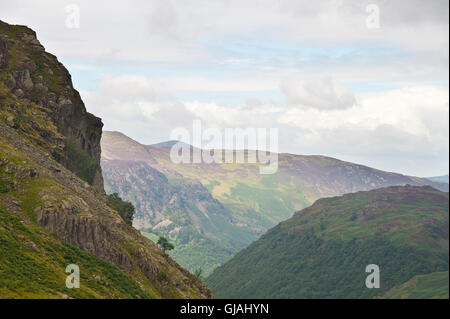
[
  {"x": 442, "y": 179},
  {"x": 429, "y": 286},
  {"x": 53, "y": 208},
  {"x": 211, "y": 211},
  {"x": 323, "y": 250}
]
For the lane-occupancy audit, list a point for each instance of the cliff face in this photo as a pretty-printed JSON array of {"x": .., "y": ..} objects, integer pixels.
[
  {"x": 51, "y": 191},
  {"x": 31, "y": 77}
]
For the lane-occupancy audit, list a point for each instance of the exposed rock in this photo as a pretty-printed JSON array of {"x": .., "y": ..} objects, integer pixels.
[
  {"x": 50, "y": 85},
  {"x": 32, "y": 246},
  {"x": 10, "y": 121},
  {"x": 53, "y": 137}
]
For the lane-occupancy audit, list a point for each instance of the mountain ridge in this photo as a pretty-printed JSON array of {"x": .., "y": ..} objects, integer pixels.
[
  {"x": 52, "y": 195},
  {"x": 247, "y": 203}
]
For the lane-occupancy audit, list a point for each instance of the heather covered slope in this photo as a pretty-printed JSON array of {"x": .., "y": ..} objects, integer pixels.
[
  {"x": 323, "y": 250},
  {"x": 211, "y": 211},
  {"x": 52, "y": 203}
]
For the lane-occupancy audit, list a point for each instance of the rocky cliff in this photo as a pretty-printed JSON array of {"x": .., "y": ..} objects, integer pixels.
[
  {"x": 52, "y": 204},
  {"x": 35, "y": 79}
]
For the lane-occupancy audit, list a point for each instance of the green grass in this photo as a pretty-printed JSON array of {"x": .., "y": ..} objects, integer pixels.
[
  {"x": 429, "y": 286},
  {"x": 26, "y": 273}
]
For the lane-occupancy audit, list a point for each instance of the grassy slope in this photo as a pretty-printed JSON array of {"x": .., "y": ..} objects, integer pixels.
[
  {"x": 323, "y": 250},
  {"x": 33, "y": 261},
  {"x": 429, "y": 286}
]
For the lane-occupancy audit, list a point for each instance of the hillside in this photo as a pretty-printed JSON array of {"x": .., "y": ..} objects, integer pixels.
[
  {"x": 53, "y": 209},
  {"x": 442, "y": 179},
  {"x": 429, "y": 286},
  {"x": 211, "y": 211},
  {"x": 323, "y": 250}
]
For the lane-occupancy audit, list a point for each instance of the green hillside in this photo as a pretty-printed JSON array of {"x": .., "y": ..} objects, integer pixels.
[
  {"x": 430, "y": 286},
  {"x": 322, "y": 251},
  {"x": 212, "y": 211},
  {"x": 33, "y": 262}
]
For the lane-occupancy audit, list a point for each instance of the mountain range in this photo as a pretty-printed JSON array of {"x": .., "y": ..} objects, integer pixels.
[{"x": 212, "y": 211}]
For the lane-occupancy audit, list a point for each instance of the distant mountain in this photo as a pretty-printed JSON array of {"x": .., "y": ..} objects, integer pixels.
[
  {"x": 323, "y": 250},
  {"x": 170, "y": 144},
  {"x": 211, "y": 211},
  {"x": 442, "y": 179},
  {"x": 53, "y": 207}
]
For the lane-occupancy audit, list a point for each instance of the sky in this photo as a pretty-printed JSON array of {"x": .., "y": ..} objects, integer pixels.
[{"x": 362, "y": 81}]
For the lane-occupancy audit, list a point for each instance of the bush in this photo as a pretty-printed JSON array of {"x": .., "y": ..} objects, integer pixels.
[{"x": 125, "y": 209}]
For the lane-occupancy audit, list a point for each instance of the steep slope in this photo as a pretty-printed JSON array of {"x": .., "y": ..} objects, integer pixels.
[
  {"x": 180, "y": 208},
  {"x": 323, "y": 250},
  {"x": 38, "y": 99},
  {"x": 29, "y": 251},
  {"x": 429, "y": 286},
  {"x": 231, "y": 205},
  {"x": 53, "y": 206}
]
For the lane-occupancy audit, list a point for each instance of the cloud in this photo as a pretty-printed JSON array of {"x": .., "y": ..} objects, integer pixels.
[
  {"x": 323, "y": 94},
  {"x": 134, "y": 87},
  {"x": 397, "y": 130},
  {"x": 133, "y": 59}
]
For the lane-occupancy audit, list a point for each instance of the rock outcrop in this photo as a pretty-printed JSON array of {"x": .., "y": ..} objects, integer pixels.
[
  {"x": 50, "y": 179},
  {"x": 35, "y": 76}
]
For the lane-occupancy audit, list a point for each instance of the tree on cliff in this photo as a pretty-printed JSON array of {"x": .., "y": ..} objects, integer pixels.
[
  {"x": 125, "y": 209},
  {"x": 164, "y": 244}
]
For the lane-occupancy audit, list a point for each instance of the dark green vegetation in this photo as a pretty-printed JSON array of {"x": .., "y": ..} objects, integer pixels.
[
  {"x": 125, "y": 209},
  {"x": 80, "y": 162},
  {"x": 33, "y": 262},
  {"x": 165, "y": 244},
  {"x": 322, "y": 251},
  {"x": 212, "y": 211}
]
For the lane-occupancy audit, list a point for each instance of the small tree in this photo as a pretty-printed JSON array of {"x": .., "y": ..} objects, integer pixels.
[
  {"x": 164, "y": 244},
  {"x": 125, "y": 209},
  {"x": 198, "y": 273}
]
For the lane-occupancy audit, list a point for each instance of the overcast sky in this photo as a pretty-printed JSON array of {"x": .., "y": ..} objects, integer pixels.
[{"x": 325, "y": 73}]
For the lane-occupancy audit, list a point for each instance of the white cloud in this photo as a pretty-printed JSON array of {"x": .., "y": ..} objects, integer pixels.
[
  {"x": 196, "y": 46},
  {"x": 323, "y": 94},
  {"x": 394, "y": 130}
]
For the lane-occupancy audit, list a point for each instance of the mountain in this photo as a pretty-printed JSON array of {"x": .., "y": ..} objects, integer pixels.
[
  {"x": 442, "y": 179},
  {"x": 53, "y": 208},
  {"x": 211, "y": 211},
  {"x": 323, "y": 250}
]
